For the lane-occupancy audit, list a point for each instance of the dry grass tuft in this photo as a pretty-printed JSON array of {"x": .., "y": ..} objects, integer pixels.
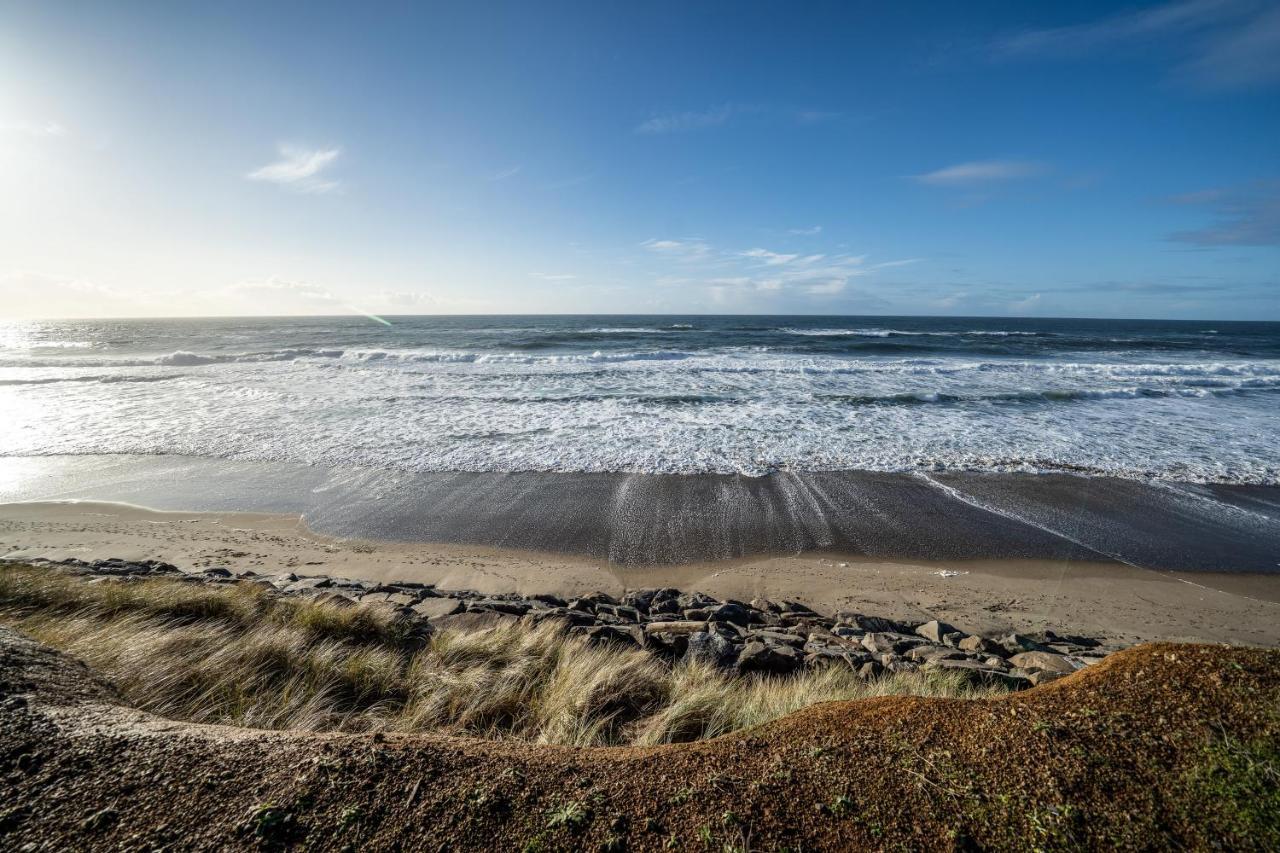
[{"x": 238, "y": 655}]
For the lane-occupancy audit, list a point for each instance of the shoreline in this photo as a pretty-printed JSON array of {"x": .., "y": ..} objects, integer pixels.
[
  {"x": 1094, "y": 597},
  {"x": 657, "y": 519}
]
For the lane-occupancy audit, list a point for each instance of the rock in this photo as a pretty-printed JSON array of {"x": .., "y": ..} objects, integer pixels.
[
  {"x": 620, "y": 611},
  {"x": 764, "y": 605},
  {"x": 729, "y": 612},
  {"x": 981, "y": 645},
  {"x": 548, "y": 600},
  {"x": 920, "y": 654},
  {"x": 1015, "y": 643},
  {"x": 880, "y": 642},
  {"x": 627, "y": 635},
  {"x": 934, "y": 631},
  {"x": 977, "y": 673},
  {"x": 402, "y": 599},
  {"x": 789, "y": 606},
  {"x": 334, "y": 599},
  {"x": 1045, "y": 676},
  {"x": 472, "y": 620},
  {"x": 692, "y": 600},
  {"x": 709, "y": 647},
  {"x": 512, "y": 608},
  {"x": 223, "y": 572},
  {"x": 871, "y": 669},
  {"x": 435, "y": 608},
  {"x": 685, "y": 627},
  {"x": 758, "y": 657},
  {"x": 872, "y": 623},
  {"x": 776, "y": 638},
  {"x": 1043, "y": 661},
  {"x": 669, "y": 644}
]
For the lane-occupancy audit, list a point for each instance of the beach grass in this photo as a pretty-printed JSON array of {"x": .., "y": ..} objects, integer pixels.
[{"x": 237, "y": 654}]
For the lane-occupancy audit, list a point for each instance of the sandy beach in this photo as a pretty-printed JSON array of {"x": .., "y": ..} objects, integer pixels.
[{"x": 1117, "y": 601}]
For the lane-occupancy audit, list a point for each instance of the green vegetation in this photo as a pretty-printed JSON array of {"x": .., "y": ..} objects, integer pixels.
[{"x": 240, "y": 655}]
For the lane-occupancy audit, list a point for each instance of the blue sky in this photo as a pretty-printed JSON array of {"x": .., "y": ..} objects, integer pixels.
[{"x": 1076, "y": 159}]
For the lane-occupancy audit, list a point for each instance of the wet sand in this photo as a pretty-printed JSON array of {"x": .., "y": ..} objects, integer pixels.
[
  {"x": 648, "y": 519},
  {"x": 1103, "y": 598}
]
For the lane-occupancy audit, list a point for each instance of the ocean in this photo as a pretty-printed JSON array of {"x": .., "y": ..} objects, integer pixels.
[{"x": 1182, "y": 401}]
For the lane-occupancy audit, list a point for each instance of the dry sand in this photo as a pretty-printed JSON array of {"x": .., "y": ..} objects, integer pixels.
[{"x": 1109, "y": 600}]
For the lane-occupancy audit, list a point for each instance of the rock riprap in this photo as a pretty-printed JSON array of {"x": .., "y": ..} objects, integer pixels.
[{"x": 760, "y": 636}]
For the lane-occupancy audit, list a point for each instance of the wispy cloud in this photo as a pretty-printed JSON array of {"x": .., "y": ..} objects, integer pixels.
[
  {"x": 689, "y": 248},
  {"x": 686, "y": 121},
  {"x": 300, "y": 169},
  {"x": 767, "y": 257},
  {"x": 900, "y": 263},
  {"x": 1222, "y": 44},
  {"x": 506, "y": 173},
  {"x": 806, "y": 232},
  {"x": 546, "y": 276},
  {"x": 979, "y": 172},
  {"x": 34, "y": 128},
  {"x": 1247, "y": 216}
]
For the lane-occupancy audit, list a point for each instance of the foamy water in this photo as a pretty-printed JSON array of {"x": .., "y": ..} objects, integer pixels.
[{"x": 656, "y": 394}]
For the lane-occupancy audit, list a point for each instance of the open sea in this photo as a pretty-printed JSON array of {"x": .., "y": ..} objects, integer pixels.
[{"x": 1189, "y": 401}]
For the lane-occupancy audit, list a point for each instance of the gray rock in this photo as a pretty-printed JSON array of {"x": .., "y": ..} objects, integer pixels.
[
  {"x": 935, "y": 631},
  {"x": 1015, "y": 643},
  {"x": 758, "y": 657},
  {"x": 1043, "y": 661},
  {"x": 709, "y": 647},
  {"x": 685, "y": 627},
  {"x": 981, "y": 645},
  {"x": 434, "y": 608}
]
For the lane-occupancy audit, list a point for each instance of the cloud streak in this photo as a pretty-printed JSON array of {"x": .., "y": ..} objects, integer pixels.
[
  {"x": 979, "y": 173},
  {"x": 1223, "y": 44},
  {"x": 1247, "y": 216},
  {"x": 300, "y": 169},
  {"x": 686, "y": 121}
]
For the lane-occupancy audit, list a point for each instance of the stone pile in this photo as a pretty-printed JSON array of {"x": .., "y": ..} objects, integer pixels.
[{"x": 760, "y": 636}]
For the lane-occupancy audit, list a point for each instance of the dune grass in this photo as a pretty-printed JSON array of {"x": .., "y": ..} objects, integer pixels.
[{"x": 240, "y": 655}]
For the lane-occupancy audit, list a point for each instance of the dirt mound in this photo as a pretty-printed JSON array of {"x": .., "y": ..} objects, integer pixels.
[{"x": 1159, "y": 746}]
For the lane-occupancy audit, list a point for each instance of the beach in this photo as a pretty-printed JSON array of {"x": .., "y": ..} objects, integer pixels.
[{"x": 1090, "y": 597}]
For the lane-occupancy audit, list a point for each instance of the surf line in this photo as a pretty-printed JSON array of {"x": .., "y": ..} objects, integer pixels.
[{"x": 955, "y": 493}]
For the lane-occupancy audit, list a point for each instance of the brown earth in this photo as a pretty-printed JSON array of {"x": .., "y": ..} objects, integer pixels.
[{"x": 1158, "y": 747}]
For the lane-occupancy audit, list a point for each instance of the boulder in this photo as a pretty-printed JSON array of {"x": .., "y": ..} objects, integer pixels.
[
  {"x": 776, "y": 638},
  {"x": 709, "y": 647},
  {"x": 920, "y": 654},
  {"x": 511, "y": 608},
  {"x": 935, "y": 631},
  {"x": 881, "y": 642},
  {"x": 685, "y": 627},
  {"x": 434, "y": 608},
  {"x": 1015, "y": 643},
  {"x": 872, "y": 623},
  {"x": 981, "y": 645},
  {"x": 1046, "y": 661},
  {"x": 758, "y": 657},
  {"x": 627, "y": 635},
  {"x": 730, "y": 612}
]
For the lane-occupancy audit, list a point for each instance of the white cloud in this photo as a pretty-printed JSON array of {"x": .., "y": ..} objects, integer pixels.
[
  {"x": 680, "y": 122},
  {"x": 552, "y": 276},
  {"x": 34, "y": 128},
  {"x": 826, "y": 288},
  {"x": 300, "y": 169},
  {"x": 806, "y": 232},
  {"x": 902, "y": 263},
  {"x": 690, "y": 248},
  {"x": 26, "y": 294},
  {"x": 506, "y": 173},
  {"x": 979, "y": 172},
  {"x": 769, "y": 258}
]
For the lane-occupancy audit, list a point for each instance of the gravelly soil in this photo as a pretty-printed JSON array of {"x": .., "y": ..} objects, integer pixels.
[{"x": 1157, "y": 747}]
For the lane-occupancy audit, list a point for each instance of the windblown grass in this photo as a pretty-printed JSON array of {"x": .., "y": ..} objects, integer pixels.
[{"x": 240, "y": 656}]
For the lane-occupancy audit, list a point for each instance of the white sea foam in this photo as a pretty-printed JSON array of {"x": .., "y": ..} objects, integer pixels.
[{"x": 441, "y": 402}]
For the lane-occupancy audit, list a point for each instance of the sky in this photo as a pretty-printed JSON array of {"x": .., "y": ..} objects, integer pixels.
[{"x": 985, "y": 158}]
